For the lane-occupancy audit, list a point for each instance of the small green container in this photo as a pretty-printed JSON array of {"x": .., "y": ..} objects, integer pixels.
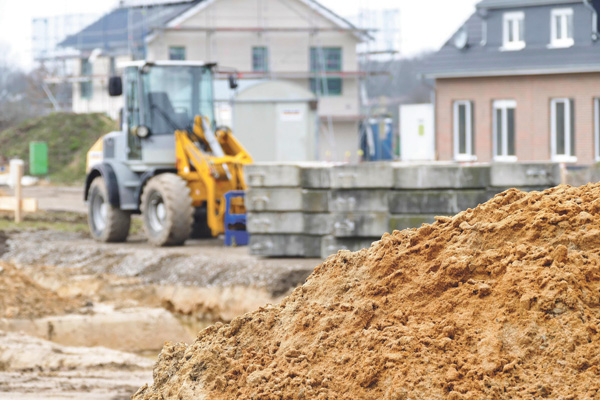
[{"x": 38, "y": 158}]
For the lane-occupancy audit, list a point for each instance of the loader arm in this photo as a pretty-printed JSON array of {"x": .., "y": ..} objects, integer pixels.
[{"x": 209, "y": 176}]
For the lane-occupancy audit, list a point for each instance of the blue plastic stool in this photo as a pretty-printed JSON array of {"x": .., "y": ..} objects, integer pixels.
[{"x": 235, "y": 224}]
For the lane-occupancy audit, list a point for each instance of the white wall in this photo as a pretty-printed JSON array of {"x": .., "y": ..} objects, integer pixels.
[
  {"x": 289, "y": 52},
  {"x": 417, "y": 140}
]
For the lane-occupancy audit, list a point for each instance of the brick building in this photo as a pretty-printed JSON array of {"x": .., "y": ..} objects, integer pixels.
[{"x": 520, "y": 81}]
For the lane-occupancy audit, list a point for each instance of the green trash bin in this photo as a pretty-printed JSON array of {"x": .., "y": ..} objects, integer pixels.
[{"x": 38, "y": 158}]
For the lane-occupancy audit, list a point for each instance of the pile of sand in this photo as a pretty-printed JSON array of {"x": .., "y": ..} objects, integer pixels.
[
  {"x": 502, "y": 301},
  {"x": 20, "y": 297}
]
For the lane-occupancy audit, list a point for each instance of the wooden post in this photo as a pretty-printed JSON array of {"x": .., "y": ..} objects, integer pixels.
[{"x": 18, "y": 194}]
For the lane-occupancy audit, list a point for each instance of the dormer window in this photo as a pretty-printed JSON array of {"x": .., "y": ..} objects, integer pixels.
[
  {"x": 514, "y": 31},
  {"x": 561, "y": 28}
]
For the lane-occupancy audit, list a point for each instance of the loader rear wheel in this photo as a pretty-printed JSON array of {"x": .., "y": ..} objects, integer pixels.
[
  {"x": 167, "y": 210},
  {"x": 107, "y": 223}
]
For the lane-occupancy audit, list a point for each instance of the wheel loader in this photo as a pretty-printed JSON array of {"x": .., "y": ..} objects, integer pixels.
[{"x": 169, "y": 162}]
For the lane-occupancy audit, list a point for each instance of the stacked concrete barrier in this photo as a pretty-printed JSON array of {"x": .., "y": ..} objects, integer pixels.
[
  {"x": 288, "y": 210},
  {"x": 316, "y": 209},
  {"x": 358, "y": 203},
  {"x": 421, "y": 192}
]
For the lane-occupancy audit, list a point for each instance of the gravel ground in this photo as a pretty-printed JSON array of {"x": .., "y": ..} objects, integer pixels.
[{"x": 202, "y": 263}]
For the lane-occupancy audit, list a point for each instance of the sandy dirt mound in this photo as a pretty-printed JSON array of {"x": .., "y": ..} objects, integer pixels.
[
  {"x": 20, "y": 297},
  {"x": 502, "y": 301}
]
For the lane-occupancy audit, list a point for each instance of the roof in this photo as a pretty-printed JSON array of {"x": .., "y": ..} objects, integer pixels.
[
  {"x": 489, "y": 60},
  {"x": 165, "y": 63},
  {"x": 111, "y": 32},
  {"x": 312, "y": 4},
  {"x": 521, "y": 3}
]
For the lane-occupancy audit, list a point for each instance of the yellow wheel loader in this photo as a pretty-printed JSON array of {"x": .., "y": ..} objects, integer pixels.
[{"x": 168, "y": 162}]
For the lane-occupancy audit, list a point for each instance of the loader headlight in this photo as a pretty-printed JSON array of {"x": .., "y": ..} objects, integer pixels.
[{"x": 142, "y": 131}]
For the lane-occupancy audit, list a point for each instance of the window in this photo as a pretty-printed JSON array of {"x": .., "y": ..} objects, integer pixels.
[
  {"x": 504, "y": 130},
  {"x": 597, "y": 127},
  {"x": 513, "y": 31},
  {"x": 177, "y": 53},
  {"x": 260, "y": 59},
  {"x": 561, "y": 28},
  {"x": 133, "y": 113},
  {"x": 562, "y": 130},
  {"x": 85, "y": 87},
  {"x": 322, "y": 61},
  {"x": 463, "y": 131}
]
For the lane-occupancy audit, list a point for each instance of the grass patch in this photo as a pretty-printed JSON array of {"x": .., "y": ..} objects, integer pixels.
[
  {"x": 62, "y": 221},
  {"x": 69, "y": 137},
  {"x": 58, "y": 221}
]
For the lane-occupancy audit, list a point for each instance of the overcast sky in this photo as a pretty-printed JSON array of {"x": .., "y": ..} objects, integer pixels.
[{"x": 425, "y": 24}]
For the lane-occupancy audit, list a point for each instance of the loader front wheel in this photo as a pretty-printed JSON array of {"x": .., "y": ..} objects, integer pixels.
[
  {"x": 107, "y": 223},
  {"x": 167, "y": 210}
]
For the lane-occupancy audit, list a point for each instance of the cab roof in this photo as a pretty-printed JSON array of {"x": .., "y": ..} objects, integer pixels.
[{"x": 166, "y": 63}]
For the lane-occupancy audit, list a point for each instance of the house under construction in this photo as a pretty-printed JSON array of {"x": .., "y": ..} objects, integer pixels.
[{"x": 300, "y": 42}]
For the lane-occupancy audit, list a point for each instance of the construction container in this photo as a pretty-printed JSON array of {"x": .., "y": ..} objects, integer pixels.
[
  {"x": 276, "y": 121},
  {"x": 38, "y": 158}
]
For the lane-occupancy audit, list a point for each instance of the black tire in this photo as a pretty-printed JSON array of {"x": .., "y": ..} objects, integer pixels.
[
  {"x": 107, "y": 223},
  {"x": 167, "y": 211},
  {"x": 200, "y": 229}
]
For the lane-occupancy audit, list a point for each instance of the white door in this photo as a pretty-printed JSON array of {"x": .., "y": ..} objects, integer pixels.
[
  {"x": 417, "y": 141},
  {"x": 292, "y": 143}
]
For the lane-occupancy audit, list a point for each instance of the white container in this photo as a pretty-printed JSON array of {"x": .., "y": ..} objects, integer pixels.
[{"x": 12, "y": 177}]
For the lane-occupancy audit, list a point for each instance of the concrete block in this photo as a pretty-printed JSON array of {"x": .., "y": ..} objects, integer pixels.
[
  {"x": 331, "y": 245},
  {"x": 315, "y": 176},
  {"x": 286, "y": 199},
  {"x": 525, "y": 174},
  {"x": 492, "y": 191},
  {"x": 405, "y": 221},
  {"x": 285, "y": 245},
  {"x": 289, "y": 223},
  {"x": 440, "y": 202},
  {"x": 272, "y": 175},
  {"x": 358, "y": 200},
  {"x": 360, "y": 224},
  {"x": 365, "y": 175},
  {"x": 440, "y": 176}
]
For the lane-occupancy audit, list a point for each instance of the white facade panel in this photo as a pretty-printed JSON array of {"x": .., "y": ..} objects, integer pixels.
[{"x": 417, "y": 141}]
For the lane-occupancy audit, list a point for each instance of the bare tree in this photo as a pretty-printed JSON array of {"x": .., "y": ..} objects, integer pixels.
[{"x": 21, "y": 93}]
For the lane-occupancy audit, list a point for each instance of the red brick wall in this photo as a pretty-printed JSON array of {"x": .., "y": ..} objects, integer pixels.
[{"x": 533, "y": 95}]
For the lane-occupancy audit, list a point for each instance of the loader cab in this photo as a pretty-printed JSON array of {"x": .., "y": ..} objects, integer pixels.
[{"x": 161, "y": 98}]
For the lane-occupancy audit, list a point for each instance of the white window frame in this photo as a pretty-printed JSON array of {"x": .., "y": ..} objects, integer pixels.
[
  {"x": 470, "y": 154},
  {"x": 567, "y": 157},
  {"x": 597, "y": 128},
  {"x": 566, "y": 18},
  {"x": 518, "y": 31},
  {"x": 503, "y": 105}
]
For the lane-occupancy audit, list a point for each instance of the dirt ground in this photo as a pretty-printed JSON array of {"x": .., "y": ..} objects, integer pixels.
[
  {"x": 105, "y": 310},
  {"x": 32, "y": 368},
  {"x": 55, "y": 198}
]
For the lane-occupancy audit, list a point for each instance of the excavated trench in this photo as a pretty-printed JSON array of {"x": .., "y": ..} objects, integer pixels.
[{"x": 70, "y": 291}]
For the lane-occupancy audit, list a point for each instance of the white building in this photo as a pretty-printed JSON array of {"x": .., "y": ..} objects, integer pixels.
[{"x": 294, "y": 40}]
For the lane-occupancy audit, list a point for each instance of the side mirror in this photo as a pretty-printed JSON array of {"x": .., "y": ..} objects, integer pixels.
[
  {"x": 115, "y": 86},
  {"x": 233, "y": 83}
]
